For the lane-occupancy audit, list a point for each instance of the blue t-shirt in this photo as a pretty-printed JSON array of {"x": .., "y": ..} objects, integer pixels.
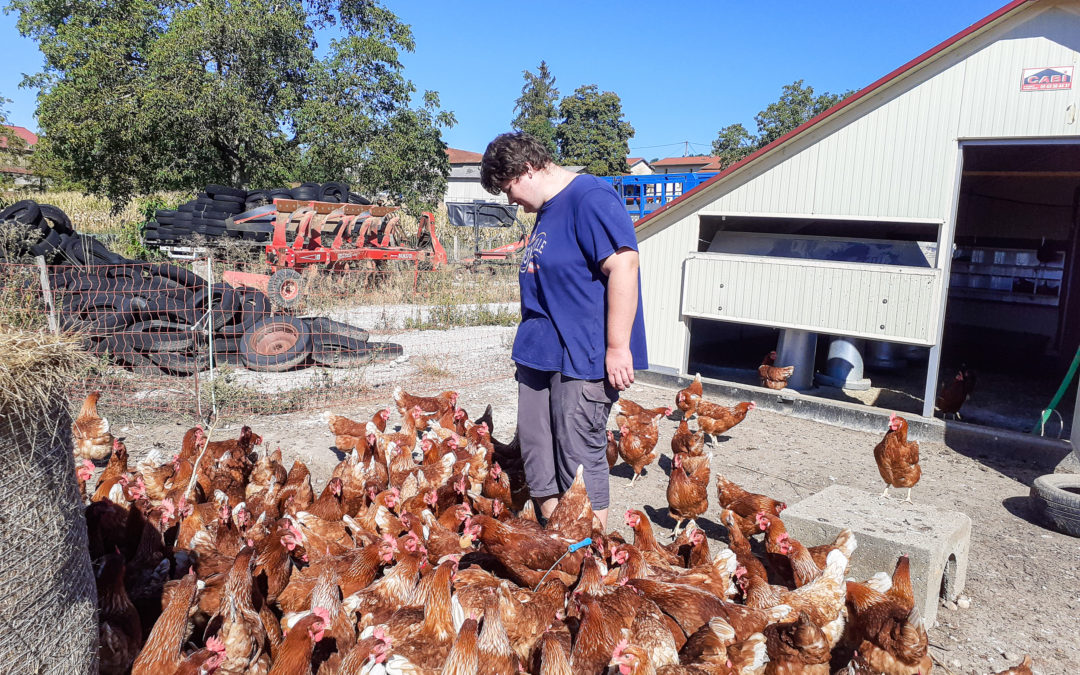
[{"x": 564, "y": 292}]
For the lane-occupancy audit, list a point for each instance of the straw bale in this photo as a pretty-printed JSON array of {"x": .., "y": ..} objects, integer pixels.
[{"x": 48, "y": 599}]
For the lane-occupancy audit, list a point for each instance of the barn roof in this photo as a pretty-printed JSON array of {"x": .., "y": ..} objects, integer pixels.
[
  {"x": 28, "y": 136},
  {"x": 919, "y": 61},
  {"x": 463, "y": 156}
]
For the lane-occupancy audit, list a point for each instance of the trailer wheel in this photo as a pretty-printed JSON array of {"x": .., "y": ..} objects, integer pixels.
[
  {"x": 284, "y": 288},
  {"x": 276, "y": 344}
]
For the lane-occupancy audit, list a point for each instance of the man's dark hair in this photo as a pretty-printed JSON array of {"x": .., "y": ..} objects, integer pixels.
[{"x": 506, "y": 157}]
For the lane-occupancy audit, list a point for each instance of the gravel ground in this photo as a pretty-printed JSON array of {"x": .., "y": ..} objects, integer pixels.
[{"x": 1023, "y": 580}]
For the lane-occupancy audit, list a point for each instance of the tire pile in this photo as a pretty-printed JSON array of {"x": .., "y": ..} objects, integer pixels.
[
  {"x": 221, "y": 211},
  {"x": 152, "y": 317}
]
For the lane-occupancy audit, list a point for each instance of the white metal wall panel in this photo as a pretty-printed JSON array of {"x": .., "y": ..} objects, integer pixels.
[
  {"x": 994, "y": 106},
  {"x": 469, "y": 190},
  {"x": 880, "y": 302},
  {"x": 661, "y": 284}
]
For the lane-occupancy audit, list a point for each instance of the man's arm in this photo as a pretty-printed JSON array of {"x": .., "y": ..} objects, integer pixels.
[{"x": 621, "y": 268}]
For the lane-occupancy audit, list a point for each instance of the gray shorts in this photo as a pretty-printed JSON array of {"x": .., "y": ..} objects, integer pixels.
[{"x": 562, "y": 422}]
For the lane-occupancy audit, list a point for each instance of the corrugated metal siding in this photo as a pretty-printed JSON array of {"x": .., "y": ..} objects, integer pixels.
[
  {"x": 993, "y": 104},
  {"x": 882, "y": 302},
  {"x": 458, "y": 190},
  {"x": 661, "y": 286},
  {"x": 893, "y": 155}
]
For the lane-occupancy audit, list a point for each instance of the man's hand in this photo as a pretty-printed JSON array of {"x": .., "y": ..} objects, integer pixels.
[{"x": 619, "y": 364}]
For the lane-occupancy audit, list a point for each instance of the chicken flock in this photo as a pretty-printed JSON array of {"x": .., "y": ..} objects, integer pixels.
[{"x": 424, "y": 554}]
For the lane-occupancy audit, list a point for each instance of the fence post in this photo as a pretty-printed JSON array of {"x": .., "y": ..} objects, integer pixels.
[
  {"x": 46, "y": 293},
  {"x": 210, "y": 329}
]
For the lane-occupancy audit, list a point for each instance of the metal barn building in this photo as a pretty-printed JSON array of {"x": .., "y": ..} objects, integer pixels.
[{"x": 948, "y": 189}]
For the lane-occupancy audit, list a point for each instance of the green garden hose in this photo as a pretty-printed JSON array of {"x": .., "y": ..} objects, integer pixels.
[{"x": 1038, "y": 428}]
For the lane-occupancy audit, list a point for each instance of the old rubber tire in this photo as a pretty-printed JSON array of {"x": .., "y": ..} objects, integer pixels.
[
  {"x": 283, "y": 288},
  {"x": 320, "y": 325},
  {"x": 276, "y": 344},
  {"x": 1056, "y": 497}
]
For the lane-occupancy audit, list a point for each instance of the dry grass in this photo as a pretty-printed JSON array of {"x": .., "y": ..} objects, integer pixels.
[
  {"x": 94, "y": 215},
  {"x": 34, "y": 365}
]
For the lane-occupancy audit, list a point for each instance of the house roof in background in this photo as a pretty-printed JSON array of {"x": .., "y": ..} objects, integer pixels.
[
  {"x": 634, "y": 160},
  {"x": 28, "y": 136},
  {"x": 463, "y": 156},
  {"x": 693, "y": 160}
]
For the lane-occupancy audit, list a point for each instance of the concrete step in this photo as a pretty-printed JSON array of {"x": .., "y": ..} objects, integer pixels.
[{"x": 936, "y": 541}]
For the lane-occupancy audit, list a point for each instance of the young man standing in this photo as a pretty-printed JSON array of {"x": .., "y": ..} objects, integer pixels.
[{"x": 582, "y": 333}]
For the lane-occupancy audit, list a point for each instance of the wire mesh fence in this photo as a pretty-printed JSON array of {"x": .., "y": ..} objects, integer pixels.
[{"x": 226, "y": 335}]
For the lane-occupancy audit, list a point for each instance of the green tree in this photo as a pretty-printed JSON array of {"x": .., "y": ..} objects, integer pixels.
[
  {"x": 733, "y": 143},
  {"x": 144, "y": 95},
  {"x": 592, "y": 131},
  {"x": 537, "y": 108},
  {"x": 797, "y": 104}
]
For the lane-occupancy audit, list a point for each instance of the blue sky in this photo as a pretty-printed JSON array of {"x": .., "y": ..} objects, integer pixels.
[{"x": 683, "y": 70}]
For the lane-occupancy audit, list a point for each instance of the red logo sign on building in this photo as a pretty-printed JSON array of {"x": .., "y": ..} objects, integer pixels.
[{"x": 1044, "y": 79}]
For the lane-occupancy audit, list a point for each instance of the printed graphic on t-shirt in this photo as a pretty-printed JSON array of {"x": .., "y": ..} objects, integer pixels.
[{"x": 530, "y": 259}]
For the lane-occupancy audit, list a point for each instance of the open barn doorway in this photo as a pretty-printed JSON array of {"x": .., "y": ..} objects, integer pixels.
[{"x": 1012, "y": 321}]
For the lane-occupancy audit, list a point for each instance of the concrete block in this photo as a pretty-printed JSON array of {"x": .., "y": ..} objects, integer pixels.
[{"x": 936, "y": 541}]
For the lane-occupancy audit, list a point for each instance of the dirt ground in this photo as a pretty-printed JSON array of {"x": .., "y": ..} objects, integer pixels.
[{"x": 1023, "y": 580}]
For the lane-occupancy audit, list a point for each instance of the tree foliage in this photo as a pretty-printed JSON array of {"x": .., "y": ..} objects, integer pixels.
[
  {"x": 143, "y": 95},
  {"x": 537, "y": 108},
  {"x": 733, "y": 143},
  {"x": 797, "y": 104},
  {"x": 593, "y": 132}
]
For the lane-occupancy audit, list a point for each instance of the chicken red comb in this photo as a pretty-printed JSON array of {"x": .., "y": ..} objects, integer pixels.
[
  {"x": 215, "y": 645},
  {"x": 322, "y": 613},
  {"x": 620, "y": 648},
  {"x": 88, "y": 464}
]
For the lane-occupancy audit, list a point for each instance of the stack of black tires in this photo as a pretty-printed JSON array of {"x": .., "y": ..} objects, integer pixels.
[
  {"x": 33, "y": 229},
  {"x": 153, "y": 318},
  {"x": 221, "y": 211}
]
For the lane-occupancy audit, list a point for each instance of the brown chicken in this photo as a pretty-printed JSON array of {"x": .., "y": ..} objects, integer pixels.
[
  {"x": 430, "y": 404},
  {"x": 740, "y": 545},
  {"x": 637, "y": 443},
  {"x": 897, "y": 458},
  {"x": 247, "y": 646},
  {"x": 688, "y": 488},
  {"x": 687, "y": 442},
  {"x": 798, "y": 648},
  {"x": 114, "y": 472},
  {"x": 203, "y": 661},
  {"x": 119, "y": 627},
  {"x": 90, "y": 435},
  {"x": 612, "y": 451},
  {"x": 631, "y": 409},
  {"x": 889, "y": 636},
  {"x": 716, "y": 419},
  {"x": 772, "y": 375},
  {"x": 464, "y": 658},
  {"x": 687, "y": 399},
  {"x": 162, "y": 651},
  {"x": 294, "y": 655},
  {"x": 1023, "y": 669},
  {"x": 746, "y": 504},
  {"x": 954, "y": 393}
]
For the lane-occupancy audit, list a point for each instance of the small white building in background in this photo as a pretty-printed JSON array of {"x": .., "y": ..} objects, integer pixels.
[
  {"x": 639, "y": 166},
  {"x": 949, "y": 187},
  {"x": 691, "y": 164},
  {"x": 464, "y": 182}
]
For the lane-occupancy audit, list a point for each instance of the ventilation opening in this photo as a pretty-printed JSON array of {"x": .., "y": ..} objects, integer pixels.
[{"x": 948, "y": 579}]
